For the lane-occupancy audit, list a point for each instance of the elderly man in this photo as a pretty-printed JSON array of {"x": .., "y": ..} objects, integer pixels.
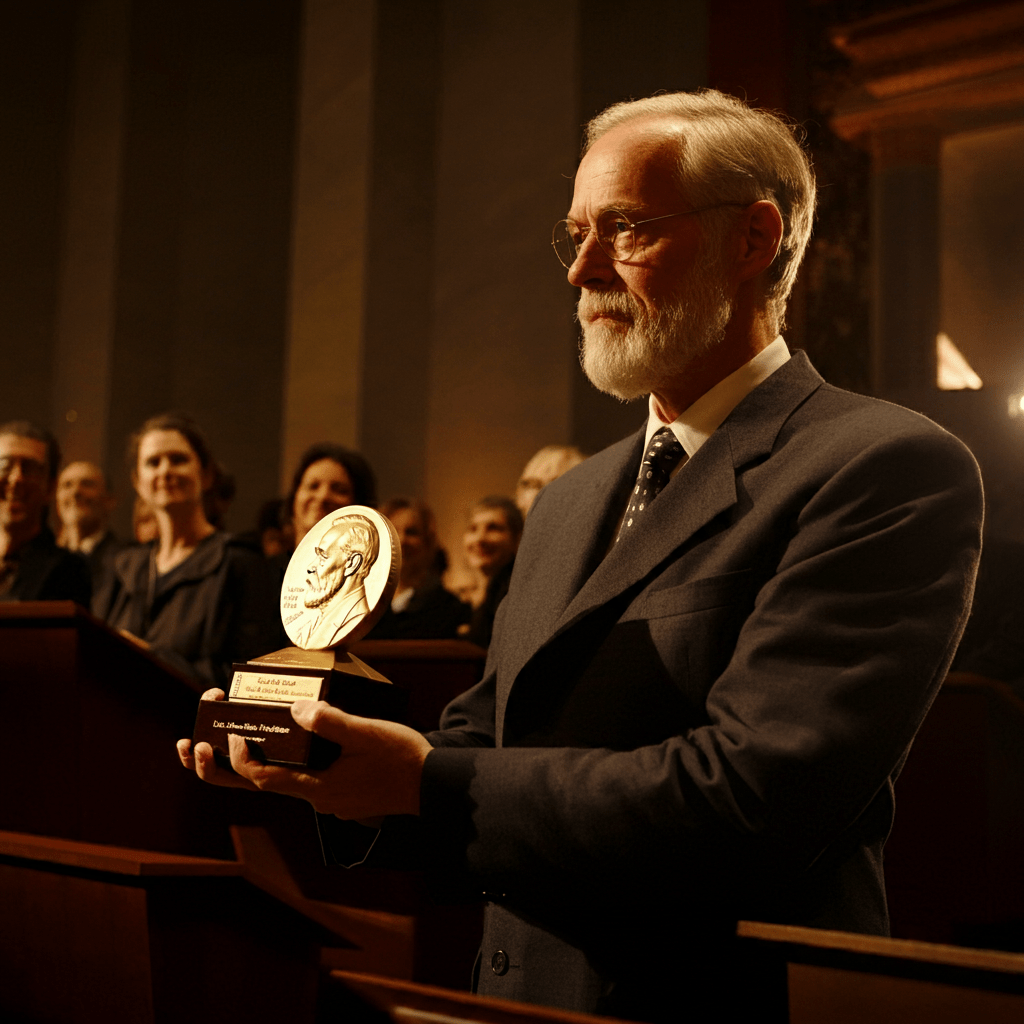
[
  {"x": 84, "y": 505},
  {"x": 721, "y": 634},
  {"x": 342, "y": 559},
  {"x": 32, "y": 567}
]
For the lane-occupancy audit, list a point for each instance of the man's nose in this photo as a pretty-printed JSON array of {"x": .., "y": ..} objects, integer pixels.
[{"x": 592, "y": 266}]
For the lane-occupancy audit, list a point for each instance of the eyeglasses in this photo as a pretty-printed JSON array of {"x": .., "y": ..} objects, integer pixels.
[
  {"x": 30, "y": 468},
  {"x": 616, "y": 234}
]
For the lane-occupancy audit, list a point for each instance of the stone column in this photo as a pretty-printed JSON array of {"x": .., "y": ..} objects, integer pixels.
[
  {"x": 329, "y": 229},
  {"x": 88, "y": 274}
]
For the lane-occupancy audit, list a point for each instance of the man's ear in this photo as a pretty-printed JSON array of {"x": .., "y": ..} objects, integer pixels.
[
  {"x": 760, "y": 238},
  {"x": 352, "y": 563}
]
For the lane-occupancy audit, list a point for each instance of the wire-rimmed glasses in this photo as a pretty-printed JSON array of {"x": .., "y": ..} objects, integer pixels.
[{"x": 616, "y": 234}]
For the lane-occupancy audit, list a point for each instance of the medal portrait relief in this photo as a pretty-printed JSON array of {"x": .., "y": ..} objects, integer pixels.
[{"x": 337, "y": 577}]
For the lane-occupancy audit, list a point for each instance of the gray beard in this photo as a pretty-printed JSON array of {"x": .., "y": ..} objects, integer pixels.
[
  {"x": 653, "y": 347},
  {"x": 320, "y": 597}
]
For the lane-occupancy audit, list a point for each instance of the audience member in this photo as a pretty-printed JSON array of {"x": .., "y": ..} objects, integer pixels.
[
  {"x": 84, "y": 505},
  {"x": 546, "y": 465},
  {"x": 421, "y": 609},
  {"x": 194, "y": 596},
  {"x": 328, "y": 477},
  {"x": 32, "y": 566},
  {"x": 490, "y": 541}
]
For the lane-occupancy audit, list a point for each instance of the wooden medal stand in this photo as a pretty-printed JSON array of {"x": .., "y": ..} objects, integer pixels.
[{"x": 266, "y": 724}]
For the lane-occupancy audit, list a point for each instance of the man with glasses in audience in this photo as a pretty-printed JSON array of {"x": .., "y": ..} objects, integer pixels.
[
  {"x": 721, "y": 633},
  {"x": 32, "y": 566}
]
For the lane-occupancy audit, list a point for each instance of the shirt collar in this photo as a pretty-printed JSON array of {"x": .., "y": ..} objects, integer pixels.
[
  {"x": 87, "y": 545},
  {"x": 694, "y": 426}
]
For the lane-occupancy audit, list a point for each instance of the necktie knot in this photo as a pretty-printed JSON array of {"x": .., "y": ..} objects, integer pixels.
[{"x": 662, "y": 455}]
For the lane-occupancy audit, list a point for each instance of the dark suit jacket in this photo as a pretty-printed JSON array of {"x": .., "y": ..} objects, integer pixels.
[
  {"x": 706, "y": 724},
  {"x": 47, "y": 572}
]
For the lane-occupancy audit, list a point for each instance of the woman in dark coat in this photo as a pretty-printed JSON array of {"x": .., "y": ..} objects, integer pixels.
[{"x": 193, "y": 597}]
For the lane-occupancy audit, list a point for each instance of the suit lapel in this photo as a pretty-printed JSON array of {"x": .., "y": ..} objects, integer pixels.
[
  {"x": 567, "y": 536},
  {"x": 580, "y": 581},
  {"x": 705, "y": 486}
]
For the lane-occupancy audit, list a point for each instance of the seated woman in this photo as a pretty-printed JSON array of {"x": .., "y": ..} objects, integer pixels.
[
  {"x": 193, "y": 596},
  {"x": 421, "y": 609},
  {"x": 490, "y": 541},
  {"x": 328, "y": 477}
]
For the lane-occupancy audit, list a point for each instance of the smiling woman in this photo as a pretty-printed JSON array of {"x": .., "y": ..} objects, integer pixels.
[
  {"x": 328, "y": 477},
  {"x": 194, "y": 596}
]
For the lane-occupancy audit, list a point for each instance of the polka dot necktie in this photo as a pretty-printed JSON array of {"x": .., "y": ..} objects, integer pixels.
[{"x": 663, "y": 454}]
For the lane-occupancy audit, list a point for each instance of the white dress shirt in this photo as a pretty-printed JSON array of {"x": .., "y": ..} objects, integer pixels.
[{"x": 694, "y": 426}]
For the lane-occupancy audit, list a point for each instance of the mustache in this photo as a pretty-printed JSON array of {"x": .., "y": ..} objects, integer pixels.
[{"x": 592, "y": 304}]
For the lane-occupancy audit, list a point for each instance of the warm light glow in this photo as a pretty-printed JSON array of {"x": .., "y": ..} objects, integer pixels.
[{"x": 955, "y": 373}]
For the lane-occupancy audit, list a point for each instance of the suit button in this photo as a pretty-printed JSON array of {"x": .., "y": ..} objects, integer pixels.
[{"x": 499, "y": 962}]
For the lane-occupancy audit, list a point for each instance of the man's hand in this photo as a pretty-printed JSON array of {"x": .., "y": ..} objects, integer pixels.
[
  {"x": 377, "y": 773},
  {"x": 201, "y": 760}
]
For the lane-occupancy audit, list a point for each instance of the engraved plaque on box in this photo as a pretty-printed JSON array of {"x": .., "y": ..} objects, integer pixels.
[{"x": 338, "y": 583}]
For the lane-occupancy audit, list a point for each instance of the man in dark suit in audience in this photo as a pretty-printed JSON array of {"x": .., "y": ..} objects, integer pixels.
[
  {"x": 721, "y": 633},
  {"x": 84, "y": 504},
  {"x": 32, "y": 567}
]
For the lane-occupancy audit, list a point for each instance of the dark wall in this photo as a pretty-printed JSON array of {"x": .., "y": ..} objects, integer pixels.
[
  {"x": 628, "y": 51},
  {"x": 35, "y": 73},
  {"x": 400, "y": 248},
  {"x": 201, "y": 291},
  {"x": 203, "y": 228}
]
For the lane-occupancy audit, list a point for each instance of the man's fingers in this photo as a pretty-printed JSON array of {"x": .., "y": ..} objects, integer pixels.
[
  {"x": 267, "y": 777},
  {"x": 185, "y": 754},
  {"x": 317, "y": 716},
  {"x": 206, "y": 768},
  {"x": 214, "y": 693}
]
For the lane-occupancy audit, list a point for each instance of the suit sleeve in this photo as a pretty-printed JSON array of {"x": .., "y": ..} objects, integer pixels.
[{"x": 831, "y": 676}]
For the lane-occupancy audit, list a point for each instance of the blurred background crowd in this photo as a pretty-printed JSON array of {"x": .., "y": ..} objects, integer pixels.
[{"x": 201, "y": 596}]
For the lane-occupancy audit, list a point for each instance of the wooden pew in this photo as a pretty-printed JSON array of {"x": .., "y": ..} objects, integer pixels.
[
  {"x": 96, "y": 933},
  {"x": 352, "y": 997},
  {"x": 92, "y": 721},
  {"x": 433, "y": 672},
  {"x": 841, "y": 978}
]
